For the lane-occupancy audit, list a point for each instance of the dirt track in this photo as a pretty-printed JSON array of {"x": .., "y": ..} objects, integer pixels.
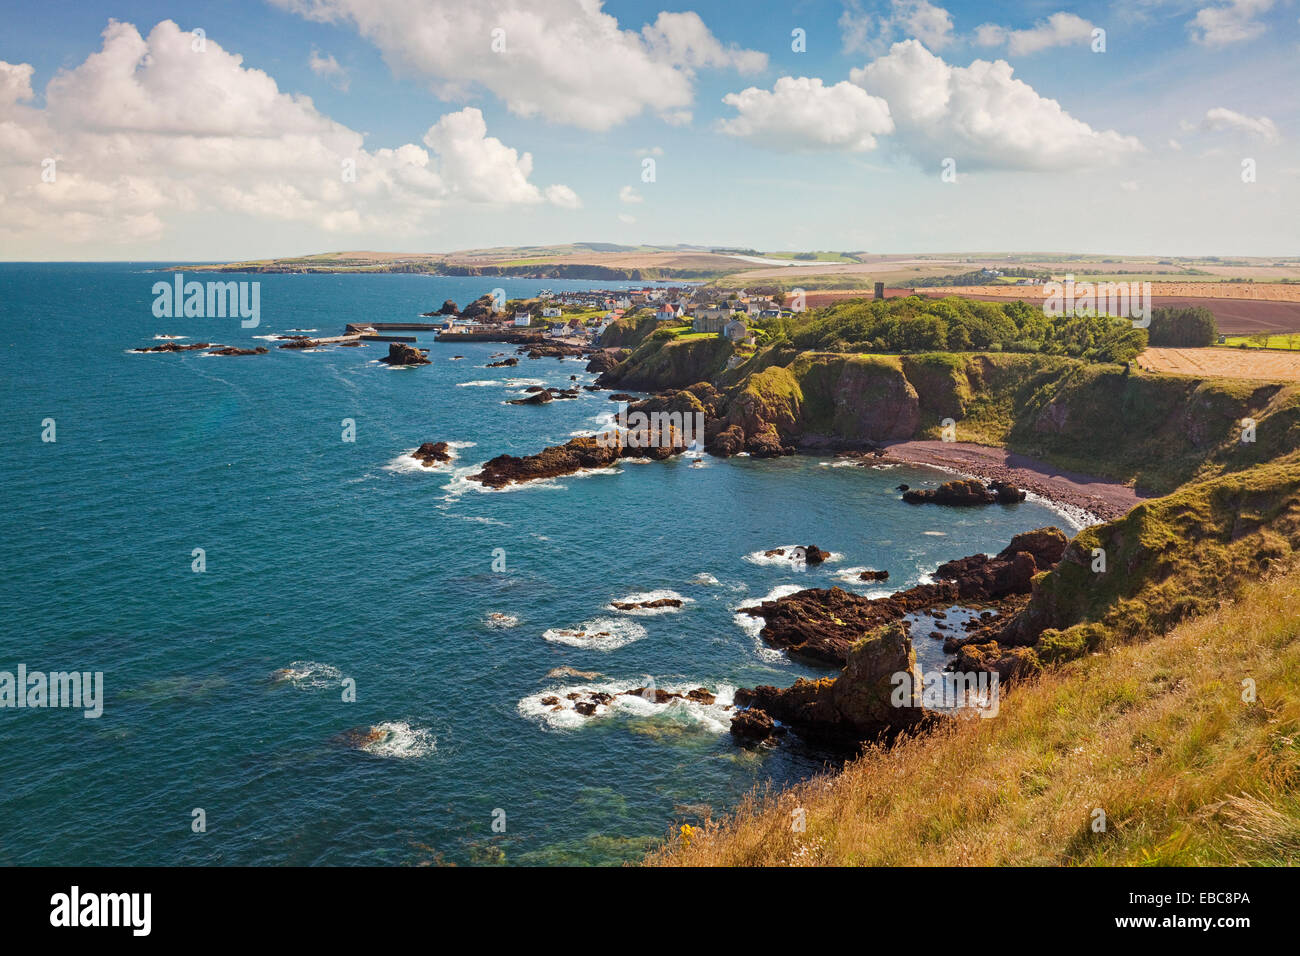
[{"x": 1255, "y": 364}]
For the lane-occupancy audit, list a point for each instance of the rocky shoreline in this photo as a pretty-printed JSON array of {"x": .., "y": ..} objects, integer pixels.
[{"x": 871, "y": 641}]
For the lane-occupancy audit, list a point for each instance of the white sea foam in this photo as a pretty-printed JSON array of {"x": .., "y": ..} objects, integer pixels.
[
  {"x": 712, "y": 718},
  {"x": 706, "y": 579},
  {"x": 792, "y": 554},
  {"x": 483, "y": 383},
  {"x": 406, "y": 464},
  {"x": 168, "y": 338},
  {"x": 400, "y": 740},
  {"x": 498, "y": 620},
  {"x": 308, "y": 674},
  {"x": 601, "y": 634},
  {"x": 752, "y": 625},
  {"x": 642, "y": 597}
]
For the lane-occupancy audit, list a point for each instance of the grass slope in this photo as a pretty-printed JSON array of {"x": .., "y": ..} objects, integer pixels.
[{"x": 1157, "y": 735}]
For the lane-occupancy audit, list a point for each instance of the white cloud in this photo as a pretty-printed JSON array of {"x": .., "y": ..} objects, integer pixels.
[
  {"x": 1221, "y": 118},
  {"x": 1060, "y": 29},
  {"x": 567, "y": 61},
  {"x": 930, "y": 24},
  {"x": 624, "y": 217},
  {"x": 148, "y": 131},
  {"x": 328, "y": 68},
  {"x": 1227, "y": 23},
  {"x": 629, "y": 195},
  {"x": 982, "y": 116},
  {"x": 860, "y": 32},
  {"x": 801, "y": 113},
  {"x": 563, "y": 196}
]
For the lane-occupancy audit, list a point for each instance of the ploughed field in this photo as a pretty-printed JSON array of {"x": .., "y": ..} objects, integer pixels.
[{"x": 1224, "y": 363}]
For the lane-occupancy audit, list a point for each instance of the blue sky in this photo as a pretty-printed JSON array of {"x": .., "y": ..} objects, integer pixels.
[{"x": 128, "y": 140}]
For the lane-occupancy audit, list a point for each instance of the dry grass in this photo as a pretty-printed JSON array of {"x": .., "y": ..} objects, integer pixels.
[
  {"x": 1154, "y": 734},
  {"x": 1253, "y": 364}
]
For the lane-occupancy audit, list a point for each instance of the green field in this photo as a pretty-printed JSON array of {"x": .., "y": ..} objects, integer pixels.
[{"x": 1287, "y": 340}]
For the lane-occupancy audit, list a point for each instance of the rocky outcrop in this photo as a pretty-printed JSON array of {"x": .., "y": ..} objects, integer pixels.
[
  {"x": 232, "y": 350},
  {"x": 821, "y": 625},
  {"x": 870, "y": 575},
  {"x": 301, "y": 342},
  {"x": 965, "y": 492},
  {"x": 602, "y": 360},
  {"x": 557, "y": 350},
  {"x": 504, "y": 363},
  {"x": 175, "y": 347},
  {"x": 401, "y": 354},
  {"x": 543, "y": 397},
  {"x": 432, "y": 453},
  {"x": 577, "y": 455},
  {"x": 646, "y": 605},
  {"x": 755, "y": 725},
  {"x": 878, "y": 693}
]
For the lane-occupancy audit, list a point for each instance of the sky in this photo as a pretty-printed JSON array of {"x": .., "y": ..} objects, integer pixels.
[{"x": 144, "y": 130}]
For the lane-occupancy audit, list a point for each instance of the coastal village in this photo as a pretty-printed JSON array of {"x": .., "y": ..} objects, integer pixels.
[{"x": 582, "y": 317}]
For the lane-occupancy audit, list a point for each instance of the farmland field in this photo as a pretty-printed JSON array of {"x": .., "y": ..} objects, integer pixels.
[{"x": 1224, "y": 363}]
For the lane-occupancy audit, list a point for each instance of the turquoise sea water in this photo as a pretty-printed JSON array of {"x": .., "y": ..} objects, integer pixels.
[{"x": 339, "y": 561}]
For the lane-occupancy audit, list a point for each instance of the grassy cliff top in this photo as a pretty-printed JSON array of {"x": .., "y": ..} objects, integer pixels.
[{"x": 1156, "y": 735}]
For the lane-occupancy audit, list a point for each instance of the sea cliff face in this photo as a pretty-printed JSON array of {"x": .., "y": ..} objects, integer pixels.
[{"x": 1158, "y": 431}]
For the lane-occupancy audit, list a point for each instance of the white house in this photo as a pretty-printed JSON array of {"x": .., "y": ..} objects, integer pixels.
[
  {"x": 523, "y": 318},
  {"x": 551, "y": 312}
]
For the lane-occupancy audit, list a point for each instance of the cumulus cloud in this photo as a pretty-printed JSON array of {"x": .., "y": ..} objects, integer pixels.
[
  {"x": 628, "y": 194},
  {"x": 1228, "y": 23},
  {"x": 565, "y": 61},
  {"x": 802, "y": 113},
  {"x": 146, "y": 130},
  {"x": 1221, "y": 118},
  {"x": 1060, "y": 29},
  {"x": 326, "y": 67},
  {"x": 982, "y": 116}
]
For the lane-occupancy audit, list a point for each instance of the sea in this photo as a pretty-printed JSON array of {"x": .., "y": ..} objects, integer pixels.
[{"x": 315, "y": 650}]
